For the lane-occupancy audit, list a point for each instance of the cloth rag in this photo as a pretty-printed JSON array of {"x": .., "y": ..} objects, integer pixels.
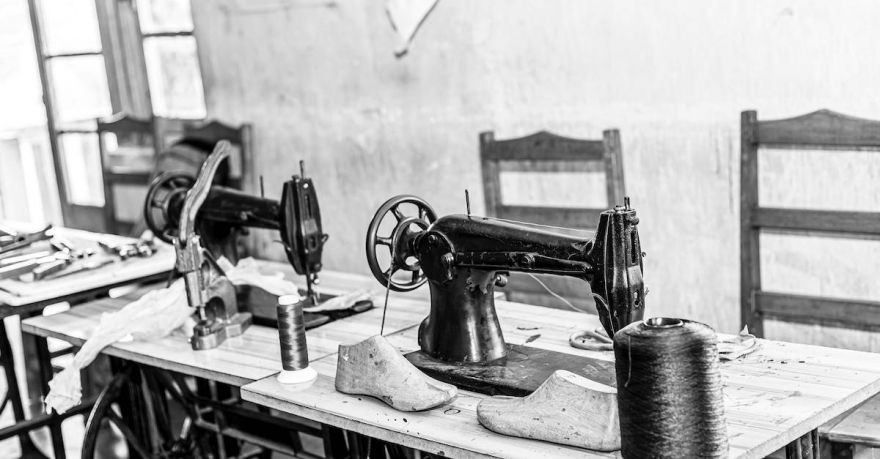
[{"x": 154, "y": 315}]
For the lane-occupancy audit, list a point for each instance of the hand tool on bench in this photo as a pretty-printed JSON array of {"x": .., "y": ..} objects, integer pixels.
[
  {"x": 10, "y": 242},
  {"x": 64, "y": 254},
  {"x": 144, "y": 247}
]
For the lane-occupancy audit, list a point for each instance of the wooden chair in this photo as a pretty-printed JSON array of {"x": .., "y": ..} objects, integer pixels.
[
  {"x": 206, "y": 134},
  {"x": 820, "y": 130},
  {"x": 549, "y": 153},
  {"x": 126, "y": 169}
]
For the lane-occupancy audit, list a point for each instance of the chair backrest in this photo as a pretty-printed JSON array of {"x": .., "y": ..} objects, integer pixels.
[
  {"x": 206, "y": 134},
  {"x": 126, "y": 165},
  {"x": 545, "y": 152},
  {"x": 820, "y": 130},
  {"x": 548, "y": 153}
]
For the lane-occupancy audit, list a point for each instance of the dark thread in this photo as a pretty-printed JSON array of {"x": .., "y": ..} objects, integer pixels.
[
  {"x": 292, "y": 336},
  {"x": 671, "y": 403}
]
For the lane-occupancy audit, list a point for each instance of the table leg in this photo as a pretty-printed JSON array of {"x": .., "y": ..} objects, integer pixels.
[
  {"x": 32, "y": 373},
  {"x": 13, "y": 394},
  {"x": 334, "y": 442},
  {"x": 46, "y": 373},
  {"x": 806, "y": 447}
]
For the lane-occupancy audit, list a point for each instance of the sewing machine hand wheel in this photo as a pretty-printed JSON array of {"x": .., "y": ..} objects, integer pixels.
[
  {"x": 399, "y": 242},
  {"x": 164, "y": 202}
]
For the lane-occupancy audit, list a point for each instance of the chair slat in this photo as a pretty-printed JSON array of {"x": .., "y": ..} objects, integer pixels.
[
  {"x": 865, "y": 223},
  {"x": 856, "y": 314},
  {"x": 820, "y": 128}
]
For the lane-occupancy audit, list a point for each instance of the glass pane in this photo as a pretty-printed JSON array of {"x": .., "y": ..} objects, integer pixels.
[
  {"x": 174, "y": 76},
  {"x": 82, "y": 168},
  {"x": 27, "y": 178},
  {"x": 80, "y": 86},
  {"x": 132, "y": 152},
  {"x": 20, "y": 90},
  {"x": 835, "y": 267},
  {"x": 164, "y": 16},
  {"x": 70, "y": 26},
  {"x": 820, "y": 180}
]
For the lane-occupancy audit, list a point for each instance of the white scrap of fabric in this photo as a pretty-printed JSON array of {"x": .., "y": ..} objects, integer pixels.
[
  {"x": 154, "y": 315},
  {"x": 406, "y": 16},
  {"x": 247, "y": 272},
  {"x": 341, "y": 302}
]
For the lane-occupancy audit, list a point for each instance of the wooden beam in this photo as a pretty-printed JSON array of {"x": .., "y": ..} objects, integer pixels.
[
  {"x": 818, "y": 310},
  {"x": 866, "y": 223}
]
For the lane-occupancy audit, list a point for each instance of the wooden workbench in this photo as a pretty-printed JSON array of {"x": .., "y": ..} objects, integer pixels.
[
  {"x": 253, "y": 355},
  {"x": 21, "y": 298},
  {"x": 772, "y": 397},
  {"x": 26, "y": 299}
]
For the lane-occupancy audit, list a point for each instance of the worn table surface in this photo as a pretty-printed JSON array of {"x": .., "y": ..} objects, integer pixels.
[
  {"x": 772, "y": 396},
  {"x": 15, "y": 293},
  {"x": 240, "y": 360}
]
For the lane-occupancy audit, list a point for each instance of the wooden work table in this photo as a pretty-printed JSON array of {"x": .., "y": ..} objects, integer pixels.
[
  {"x": 24, "y": 298},
  {"x": 772, "y": 397},
  {"x": 253, "y": 355}
]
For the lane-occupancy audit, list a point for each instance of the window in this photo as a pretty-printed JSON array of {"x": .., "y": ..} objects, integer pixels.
[
  {"x": 96, "y": 58},
  {"x": 76, "y": 92},
  {"x": 28, "y": 191},
  {"x": 171, "y": 58}
]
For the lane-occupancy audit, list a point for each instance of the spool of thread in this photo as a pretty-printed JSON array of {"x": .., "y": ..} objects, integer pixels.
[
  {"x": 669, "y": 390},
  {"x": 292, "y": 337}
]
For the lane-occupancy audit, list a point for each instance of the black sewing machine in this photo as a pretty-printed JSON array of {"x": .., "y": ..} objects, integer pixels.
[
  {"x": 203, "y": 221},
  {"x": 463, "y": 258}
]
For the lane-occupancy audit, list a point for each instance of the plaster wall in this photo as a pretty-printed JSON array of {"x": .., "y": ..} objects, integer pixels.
[{"x": 320, "y": 82}]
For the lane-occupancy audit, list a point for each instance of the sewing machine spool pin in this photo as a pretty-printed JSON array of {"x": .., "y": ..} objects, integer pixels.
[{"x": 464, "y": 257}]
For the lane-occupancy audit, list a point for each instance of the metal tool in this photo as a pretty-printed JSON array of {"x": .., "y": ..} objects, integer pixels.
[
  {"x": 463, "y": 258},
  {"x": 10, "y": 242},
  {"x": 80, "y": 266},
  {"x": 41, "y": 267},
  {"x": 143, "y": 247},
  {"x": 203, "y": 222}
]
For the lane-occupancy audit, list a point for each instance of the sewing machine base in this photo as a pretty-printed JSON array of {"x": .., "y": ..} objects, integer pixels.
[
  {"x": 524, "y": 369},
  {"x": 234, "y": 326}
]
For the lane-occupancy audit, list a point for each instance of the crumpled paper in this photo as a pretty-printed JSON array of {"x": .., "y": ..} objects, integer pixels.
[
  {"x": 737, "y": 346},
  {"x": 155, "y": 315},
  {"x": 247, "y": 272},
  {"x": 406, "y": 16},
  {"x": 341, "y": 302}
]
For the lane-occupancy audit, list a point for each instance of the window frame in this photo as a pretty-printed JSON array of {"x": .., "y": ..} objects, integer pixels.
[{"x": 122, "y": 50}]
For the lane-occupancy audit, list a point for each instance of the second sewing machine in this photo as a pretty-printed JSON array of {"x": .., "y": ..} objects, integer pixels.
[
  {"x": 203, "y": 220},
  {"x": 463, "y": 258}
]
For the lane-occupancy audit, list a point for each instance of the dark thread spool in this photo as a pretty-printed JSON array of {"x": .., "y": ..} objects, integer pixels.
[
  {"x": 292, "y": 333},
  {"x": 669, "y": 390}
]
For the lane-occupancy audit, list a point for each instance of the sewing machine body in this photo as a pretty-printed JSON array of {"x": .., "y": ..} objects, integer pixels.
[
  {"x": 203, "y": 222},
  {"x": 463, "y": 258}
]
